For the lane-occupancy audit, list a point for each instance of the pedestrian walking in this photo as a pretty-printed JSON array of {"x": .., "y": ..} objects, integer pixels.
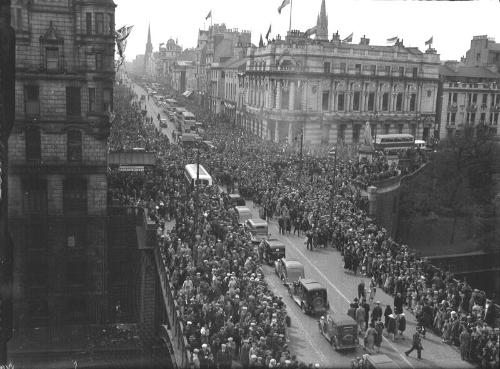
[
  {"x": 309, "y": 242},
  {"x": 373, "y": 288},
  {"x": 416, "y": 345},
  {"x": 361, "y": 290},
  {"x": 391, "y": 326},
  {"x": 370, "y": 335},
  {"x": 379, "y": 327},
  {"x": 360, "y": 318},
  {"x": 376, "y": 312},
  {"x": 465, "y": 344}
]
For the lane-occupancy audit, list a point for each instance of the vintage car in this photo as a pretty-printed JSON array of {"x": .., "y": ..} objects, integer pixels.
[
  {"x": 310, "y": 296},
  {"x": 236, "y": 200},
  {"x": 243, "y": 214},
  {"x": 380, "y": 361},
  {"x": 273, "y": 250},
  {"x": 340, "y": 330},
  {"x": 288, "y": 271},
  {"x": 257, "y": 228}
]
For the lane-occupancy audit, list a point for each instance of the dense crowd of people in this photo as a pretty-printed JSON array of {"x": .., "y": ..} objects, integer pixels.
[{"x": 228, "y": 310}]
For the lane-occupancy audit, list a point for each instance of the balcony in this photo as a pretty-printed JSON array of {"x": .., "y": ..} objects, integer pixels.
[{"x": 472, "y": 108}]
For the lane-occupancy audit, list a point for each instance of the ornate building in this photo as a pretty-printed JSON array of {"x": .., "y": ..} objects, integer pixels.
[
  {"x": 325, "y": 91},
  {"x": 470, "y": 96},
  {"x": 58, "y": 160},
  {"x": 167, "y": 55},
  {"x": 483, "y": 52}
]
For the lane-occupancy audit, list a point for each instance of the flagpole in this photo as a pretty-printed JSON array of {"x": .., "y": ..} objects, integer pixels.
[{"x": 290, "y": 24}]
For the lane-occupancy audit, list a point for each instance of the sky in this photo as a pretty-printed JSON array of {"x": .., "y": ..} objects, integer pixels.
[{"x": 452, "y": 24}]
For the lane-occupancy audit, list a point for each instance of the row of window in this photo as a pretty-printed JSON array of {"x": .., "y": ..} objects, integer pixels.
[
  {"x": 99, "y": 23},
  {"x": 372, "y": 69},
  {"x": 472, "y": 99},
  {"x": 356, "y": 101},
  {"x": 470, "y": 118},
  {"x": 73, "y": 101},
  {"x": 35, "y": 198},
  {"x": 33, "y": 144}
]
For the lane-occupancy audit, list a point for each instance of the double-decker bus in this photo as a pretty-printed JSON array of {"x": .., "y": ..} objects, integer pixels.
[{"x": 392, "y": 144}]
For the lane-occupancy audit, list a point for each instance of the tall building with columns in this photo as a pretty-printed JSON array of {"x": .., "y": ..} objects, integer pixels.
[{"x": 328, "y": 89}]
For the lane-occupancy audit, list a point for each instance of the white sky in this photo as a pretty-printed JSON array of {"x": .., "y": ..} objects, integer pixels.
[{"x": 451, "y": 23}]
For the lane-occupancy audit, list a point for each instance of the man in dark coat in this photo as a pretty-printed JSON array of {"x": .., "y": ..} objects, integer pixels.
[
  {"x": 376, "y": 312},
  {"x": 224, "y": 359},
  {"x": 417, "y": 345},
  {"x": 465, "y": 343},
  {"x": 361, "y": 290},
  {"x": 398, "y": 304}
]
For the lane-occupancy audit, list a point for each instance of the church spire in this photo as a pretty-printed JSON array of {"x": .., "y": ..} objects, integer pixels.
[
  {"x": 322, "y": 23},
  {"x": 149, "y": 45}
]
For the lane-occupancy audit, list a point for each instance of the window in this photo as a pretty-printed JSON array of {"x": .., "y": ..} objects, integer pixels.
[
  {"x": 495, "y": 119},
  {"x": 107, "y": 99},
  {"x": 474, "y": 98},
  {"x": 472, "y": 118},
  {"x": 17, "y": 18},
  {"x": 357, "y": 68},
  {"x": 31, "y": 100},
  {"x": 478, "y": 56},
  {"x": 75, "y": 273},
  {"x": 88, "y": 19},
  {"x": 485, "y": 99},
  {"x": 387, "y": 128},
  {"x": 33, "y": 143},
  {"x": 36, "y": 235},
  {"x": 399, "y": 101},
  {"x": 99, "y": 23},
  {"x": 74, "y": 145},
  {"x": 325, "y": 100},
  {"x": 343, "y": 67},
  {"x": 482, "y": 118},
  {"x": 326, "y": 67},
  {"x": 340, "y": 101},
  {"x": 285, "y": 97},
  {"x": 355, "y": 133},
  {"x": 448, "y": 118},
  {"x": 73, "y": 101},
  {"x": 37, "y": 274},
  {"x": 414, "y": 130},
  {"x": 400, "y": 128},
  {"x": 76, "y": 234},
  {"x": 415, "y": 72},
  {"x": 497, "y": 99},
  {"x": 413, "y": 102},
  {"x": 385, "y": 101},
  {"x": 455, "y": 98},
  {"x": 453, "y": 118},
  {"x": 373, "y": 69},
  {"x": 98, "y": 62},
  {"x": 92, "y": 106},
  {"x": 387, "y": 70},
  {"x": 108, "y": 24},
  {"x": 355, "y": 101},
  {"x": 75, "y": 196},
  {"x": 371, "y": 101},
  {"x": 35, "y": 196},
  {"x": 52, "y": 58},
  {"x": 341, "y": 135},
  {"x": 401, "y": 71}
]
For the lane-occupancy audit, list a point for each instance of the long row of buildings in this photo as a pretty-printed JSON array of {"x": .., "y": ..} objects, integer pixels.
[{"x": 327, "y": 89}]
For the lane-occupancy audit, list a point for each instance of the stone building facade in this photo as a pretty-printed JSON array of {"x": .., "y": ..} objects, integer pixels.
[
  {"x": 328, "y": 90},
  {"x": 484, "y": 52},
  {"x": 58, "y": 160},
  {"x": 470, "y": 96}
]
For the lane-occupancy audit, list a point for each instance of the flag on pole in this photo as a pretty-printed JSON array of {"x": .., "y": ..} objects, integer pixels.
[
  {"x": 268, "y": 33},
  {"x": 392, "y": 40},
  {"x": 283, "y": 4},
  {"x": 209, "y": 15},
  {"x": 348, "y": 38},
  {"x": 121, "y": 39},
  {"x": 311, "y": 31},
  {"x": 429, "y": 41}
]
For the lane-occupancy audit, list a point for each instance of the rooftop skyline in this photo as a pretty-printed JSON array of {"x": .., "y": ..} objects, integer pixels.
[{"x": 451, "y": 24}]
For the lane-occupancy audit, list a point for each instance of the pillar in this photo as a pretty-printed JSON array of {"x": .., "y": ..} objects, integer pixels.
[
  {"x": 278, "y": 95},
  {"x": 291, "y": 96},
  {"x": 290, "y": 137},
  {"x": 362, "y": 100},
  {"x": 276, "y": 132}
]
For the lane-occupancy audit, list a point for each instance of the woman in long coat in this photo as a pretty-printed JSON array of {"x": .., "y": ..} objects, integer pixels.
[
  {"x": 391, "y": 326},
  {"x": 370, "y": 335},
  {"x": 379, "y": 327},
  {"x": 387, "y": 312}
]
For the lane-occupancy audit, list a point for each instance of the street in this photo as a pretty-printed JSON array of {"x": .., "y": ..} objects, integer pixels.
[{"x": 326, "y": 267}]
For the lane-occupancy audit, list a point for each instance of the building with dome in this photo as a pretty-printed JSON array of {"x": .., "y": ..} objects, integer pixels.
[{"x": 165, "y": 59}]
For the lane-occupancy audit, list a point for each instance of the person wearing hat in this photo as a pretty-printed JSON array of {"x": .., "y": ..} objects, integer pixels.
[
  {"x": 416, "y": 345},
  {"x": 244, "y": 356},
  {"x": 376, "y": 312},
  {"x": 391, "y": 326},
  {"x": 224, "y": 359}
]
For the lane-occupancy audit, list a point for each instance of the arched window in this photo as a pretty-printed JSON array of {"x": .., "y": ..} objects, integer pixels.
[{"x": 74, "y": 145}]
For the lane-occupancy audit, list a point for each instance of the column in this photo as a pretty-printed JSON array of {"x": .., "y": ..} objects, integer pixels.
[
  {"x": 405, "y": 99},
  {"x": 290, "y": 138},
  {"x": 291, "y": 95},
  {"x": 362, "y": 100},
  {"x": 276, "y": 132},
  {"x": 334, "y": 100},
  {"x": 348, "y": 100},
  {"x": 278, "y": 95},
  {"x": 419, "y": 99}
]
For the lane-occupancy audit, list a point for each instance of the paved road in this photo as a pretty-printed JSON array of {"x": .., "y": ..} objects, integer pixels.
[
  {"x": 153, "y": 110},
  {"x": 326, "y": 267}
]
